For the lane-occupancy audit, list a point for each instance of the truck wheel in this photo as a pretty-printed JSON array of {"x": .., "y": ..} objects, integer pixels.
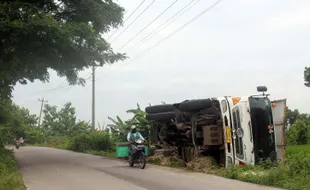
[
  {"x": 161, "y": 116},
  {"x": 196, "y": 105},
  {"x": 160, "y": 108}
]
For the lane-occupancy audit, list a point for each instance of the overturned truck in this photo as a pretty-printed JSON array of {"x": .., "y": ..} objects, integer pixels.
[{"x": 232, "y": 130}]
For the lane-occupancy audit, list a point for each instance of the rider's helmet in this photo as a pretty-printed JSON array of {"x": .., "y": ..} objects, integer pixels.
[{"x": 133, "y": 129}]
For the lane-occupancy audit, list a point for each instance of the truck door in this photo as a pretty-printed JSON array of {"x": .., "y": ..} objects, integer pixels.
[
  {"x": 229, "y": 148},
  {"x": 279, "y": 120}
]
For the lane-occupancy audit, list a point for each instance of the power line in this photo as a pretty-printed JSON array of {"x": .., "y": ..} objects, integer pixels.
[
  {"x": 148, "y": 24},
  {"x": 174, "y": 32},
  {"x": 58, "y": 87},
  {"x": 180, "y": 28},
  {"x": 166, "y": 23},
  {"x": 128, "y": 17},
  {"x": 133, "y": 21},
  {"x": 164, "y": 39}
]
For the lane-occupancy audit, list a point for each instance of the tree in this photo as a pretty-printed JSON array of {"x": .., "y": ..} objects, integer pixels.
[
  {"x": 307, "y": 76},
  {"x": 63, "y": 35},
  {"x": 15, "y": 121},
  {"x": 120, "y": 128},
  {"x": 291, "y": 116},
  {"x": 299, "y": 132},
  {"x": 139, "y": 121},
  {"x": 62, "y": 122}
]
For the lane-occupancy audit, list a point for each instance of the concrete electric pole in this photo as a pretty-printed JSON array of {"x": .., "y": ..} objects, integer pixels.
[
  {"x": 93, "y": 97},
  {"x": 42, "y": 103}
]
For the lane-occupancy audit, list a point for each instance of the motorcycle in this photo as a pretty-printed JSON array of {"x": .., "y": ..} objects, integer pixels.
[
  {"x": 138, "y": 154},
  {"x": 17, "y": 144}
]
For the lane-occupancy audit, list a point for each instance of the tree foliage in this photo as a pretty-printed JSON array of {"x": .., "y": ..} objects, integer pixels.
[
  {"x": 120, "y": 128},
  {"x": 16, "y": 121},
  {"x": 64, "y": 35},
  {"x": 291, "y": 116},
  {"x": 62, "y": 122},
  {"x": 299, "y": 132},
  {"x": 307, "y": 76}
]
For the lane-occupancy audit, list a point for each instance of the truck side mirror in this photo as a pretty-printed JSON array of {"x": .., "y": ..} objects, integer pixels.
[{"x": 261, "y": 88}]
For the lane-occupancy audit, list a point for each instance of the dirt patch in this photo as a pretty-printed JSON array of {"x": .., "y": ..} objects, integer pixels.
[
  {"x": 171, "y": 161},
  {"x": 202, "y": 164},
  {"x": 199, "y": 164}
]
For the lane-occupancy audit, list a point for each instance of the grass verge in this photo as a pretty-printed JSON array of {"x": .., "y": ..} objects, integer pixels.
[
  {"x": 294, "y": 174},
  {"x": 10, "y": 178},
  {"x": 290, "y": 150}
]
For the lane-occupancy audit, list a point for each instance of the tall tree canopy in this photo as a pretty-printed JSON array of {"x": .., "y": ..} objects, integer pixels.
[
  {"x": 63, "y": 35},
  {"x": 15, "y": 121},
  {"x": 291, "y": 116},
  {"x": 62, "y": 122},
  {"x": 307, "y": 76}
]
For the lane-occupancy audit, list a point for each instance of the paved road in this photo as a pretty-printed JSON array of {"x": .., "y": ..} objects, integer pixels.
[{"x": 47, "y": 168}]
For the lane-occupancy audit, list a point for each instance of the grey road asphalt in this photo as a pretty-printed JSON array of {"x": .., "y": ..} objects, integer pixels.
[{"x": 53, "y": 169}]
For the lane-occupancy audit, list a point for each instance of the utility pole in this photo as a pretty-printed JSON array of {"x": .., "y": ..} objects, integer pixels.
[
  {"x": 42, "y": 103},
  {"x": 93, "y": 98}
]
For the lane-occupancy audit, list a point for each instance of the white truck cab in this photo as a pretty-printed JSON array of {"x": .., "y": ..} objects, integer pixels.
[{"x": 253, "y": 128}]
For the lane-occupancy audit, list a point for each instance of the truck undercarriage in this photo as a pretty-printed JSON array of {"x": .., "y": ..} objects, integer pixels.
[{"x": 194, "y": 127}]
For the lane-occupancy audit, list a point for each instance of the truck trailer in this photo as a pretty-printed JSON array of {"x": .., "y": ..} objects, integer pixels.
[{"x": 233, "y": 130}]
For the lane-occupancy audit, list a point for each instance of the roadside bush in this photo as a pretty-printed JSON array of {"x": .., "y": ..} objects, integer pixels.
[
  {"x": 9, "y": 175},
  {"x": 80, "y": 143},
  {"x": 299, "y": 164},
  {"x": 58, "y": 141},
  {"x": 99, "y": 141}
]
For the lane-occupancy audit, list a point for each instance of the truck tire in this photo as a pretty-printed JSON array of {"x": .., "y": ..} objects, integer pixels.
[
  {"x": 160, "y": 108},
  {"x": 195, "y": 105},
  {"x": 164, "y": 116}
]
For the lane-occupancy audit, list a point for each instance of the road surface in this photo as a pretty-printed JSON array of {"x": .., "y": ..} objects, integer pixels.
[{"x": 53, "y": 169}]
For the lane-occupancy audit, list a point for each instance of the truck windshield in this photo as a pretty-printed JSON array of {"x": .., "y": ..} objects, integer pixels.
[{"x": 262, "y": 128}]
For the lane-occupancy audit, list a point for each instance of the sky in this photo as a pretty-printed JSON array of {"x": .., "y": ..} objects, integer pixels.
[{"x": 229, "y": 51}]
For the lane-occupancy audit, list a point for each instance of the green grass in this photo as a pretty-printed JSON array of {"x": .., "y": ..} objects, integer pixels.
[
  {"x": 294, "y": 174},
  {"x": 101, "y": 153},
  {"x": 10, "y": 178},
  {"x": 297, "y": 149}
]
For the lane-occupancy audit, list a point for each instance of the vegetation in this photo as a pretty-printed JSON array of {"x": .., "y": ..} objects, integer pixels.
[
  {"x": 61, "y": 129},
  {"x": 65, "y": 36},
  {"x": 16, "y": 121},
  {"x": 120, "y": 128},
  {"x": 295, "y": 149},
  {"x": 299, "y": 132},
  {"x": 10, "y": 178}
]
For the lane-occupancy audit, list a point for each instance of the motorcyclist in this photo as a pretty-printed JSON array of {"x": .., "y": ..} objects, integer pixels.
[{"x": 132, "y": 136}]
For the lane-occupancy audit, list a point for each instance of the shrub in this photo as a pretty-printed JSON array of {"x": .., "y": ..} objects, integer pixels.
[
  {"x": 101, "y": 141},
  {"x": 299, "y": 164},
  {"x": 80, "y": 143},
  {"x": 58, "y": 141},
  {"x": 9, "y": 175}
]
